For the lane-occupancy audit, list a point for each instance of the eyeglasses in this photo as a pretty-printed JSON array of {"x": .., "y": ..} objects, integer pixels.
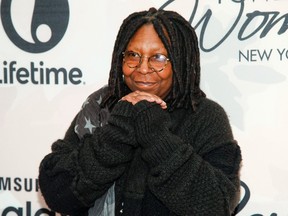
[{"x": 156, "y": 62}]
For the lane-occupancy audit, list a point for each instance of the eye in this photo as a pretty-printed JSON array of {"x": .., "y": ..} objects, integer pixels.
[
  {"x": 160, "y": 58},
  {"x": 132, "y": 55},
  {"x": 132, "y": 59}
]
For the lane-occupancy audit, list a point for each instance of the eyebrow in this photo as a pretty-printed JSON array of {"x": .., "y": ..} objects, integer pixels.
[{"x": 153, "y": 51}]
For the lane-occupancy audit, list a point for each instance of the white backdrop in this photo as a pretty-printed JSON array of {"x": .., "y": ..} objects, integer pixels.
[{"x": 244, "y": 55}]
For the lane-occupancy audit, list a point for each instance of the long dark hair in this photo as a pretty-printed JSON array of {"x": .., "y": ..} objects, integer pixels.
[{"x": 182, "y": 48}]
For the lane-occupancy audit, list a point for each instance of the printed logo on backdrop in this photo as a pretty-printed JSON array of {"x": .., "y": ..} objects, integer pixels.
[
  {"x": 269, "y": 21},
  {"x": 243, "y": 31},
  {"x": 244, "y": 200},
  {"x": 53, "y": 14},
  {"x": 52, "y": 17},
  {"x": 29, "y": 185},
  {"x": 18, "y": 184}
]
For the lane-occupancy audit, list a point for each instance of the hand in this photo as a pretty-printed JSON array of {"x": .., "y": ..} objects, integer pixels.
[{"x": 136, "y": 96}]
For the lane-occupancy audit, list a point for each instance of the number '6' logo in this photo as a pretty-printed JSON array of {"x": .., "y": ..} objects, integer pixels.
[{"x": 53, "y": 14}]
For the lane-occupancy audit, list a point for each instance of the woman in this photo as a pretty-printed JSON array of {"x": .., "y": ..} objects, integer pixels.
[{"x": 149, "y": 143}]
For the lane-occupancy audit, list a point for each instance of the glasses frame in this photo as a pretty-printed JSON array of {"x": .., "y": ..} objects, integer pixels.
[{"x": 143, "y": 56}]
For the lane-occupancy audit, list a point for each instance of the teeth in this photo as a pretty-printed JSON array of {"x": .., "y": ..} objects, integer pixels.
[{"x": 144, "y": 83}]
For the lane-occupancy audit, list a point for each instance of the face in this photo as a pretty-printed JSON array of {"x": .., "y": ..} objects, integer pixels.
[{"x": 146, "y": 42}]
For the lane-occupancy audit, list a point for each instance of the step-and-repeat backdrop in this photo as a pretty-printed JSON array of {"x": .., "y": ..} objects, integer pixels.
[{"x": 54, "y": 53}]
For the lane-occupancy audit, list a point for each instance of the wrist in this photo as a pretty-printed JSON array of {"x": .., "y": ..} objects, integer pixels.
[{"x": 123, "y": 108}]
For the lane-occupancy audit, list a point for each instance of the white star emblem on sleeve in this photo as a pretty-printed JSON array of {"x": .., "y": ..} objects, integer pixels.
[{"x": 89, "y": 125}]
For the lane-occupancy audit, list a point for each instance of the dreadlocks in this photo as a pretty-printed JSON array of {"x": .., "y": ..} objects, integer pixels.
[{"x": 181, "y": 42}]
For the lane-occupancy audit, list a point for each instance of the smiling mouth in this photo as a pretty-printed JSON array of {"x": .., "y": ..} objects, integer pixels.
[{"x": 145, "y": 83}]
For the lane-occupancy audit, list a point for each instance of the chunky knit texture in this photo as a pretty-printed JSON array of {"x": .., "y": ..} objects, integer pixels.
[{"x": 164, "y": 163}]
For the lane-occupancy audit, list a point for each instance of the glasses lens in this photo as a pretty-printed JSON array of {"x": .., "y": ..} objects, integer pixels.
[
  {"x": 158, "y": 62},
  {"x": 132, "y": 59}
]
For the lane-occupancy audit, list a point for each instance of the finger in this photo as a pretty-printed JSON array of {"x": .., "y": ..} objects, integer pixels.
[
  {"x": 136, "y": 96},
  {"x": 131, "y": 97},
  {"x": 152, "y": 99}
]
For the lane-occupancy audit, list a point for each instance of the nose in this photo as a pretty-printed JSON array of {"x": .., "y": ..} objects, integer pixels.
[{"x": 144, "y": 67}]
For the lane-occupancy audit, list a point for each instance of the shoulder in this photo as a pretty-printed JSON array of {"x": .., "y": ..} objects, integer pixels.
[
  {"x": 209, "y": 114},
  {"x": 213, "y": 116},
  {"x": 91, "y": 114},
  {"x": 205, "y": 109},
  {"x": 209, "y": 106},
  {"x": 96, "y": 97}
]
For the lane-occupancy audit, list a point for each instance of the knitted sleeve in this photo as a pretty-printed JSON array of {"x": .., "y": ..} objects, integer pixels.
[
  {"x": 193, "y": 172},
  {"x": 78, "y": 171}
]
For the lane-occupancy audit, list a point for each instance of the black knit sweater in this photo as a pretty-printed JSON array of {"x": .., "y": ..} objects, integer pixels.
[{"x": 163, "y": 163}]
